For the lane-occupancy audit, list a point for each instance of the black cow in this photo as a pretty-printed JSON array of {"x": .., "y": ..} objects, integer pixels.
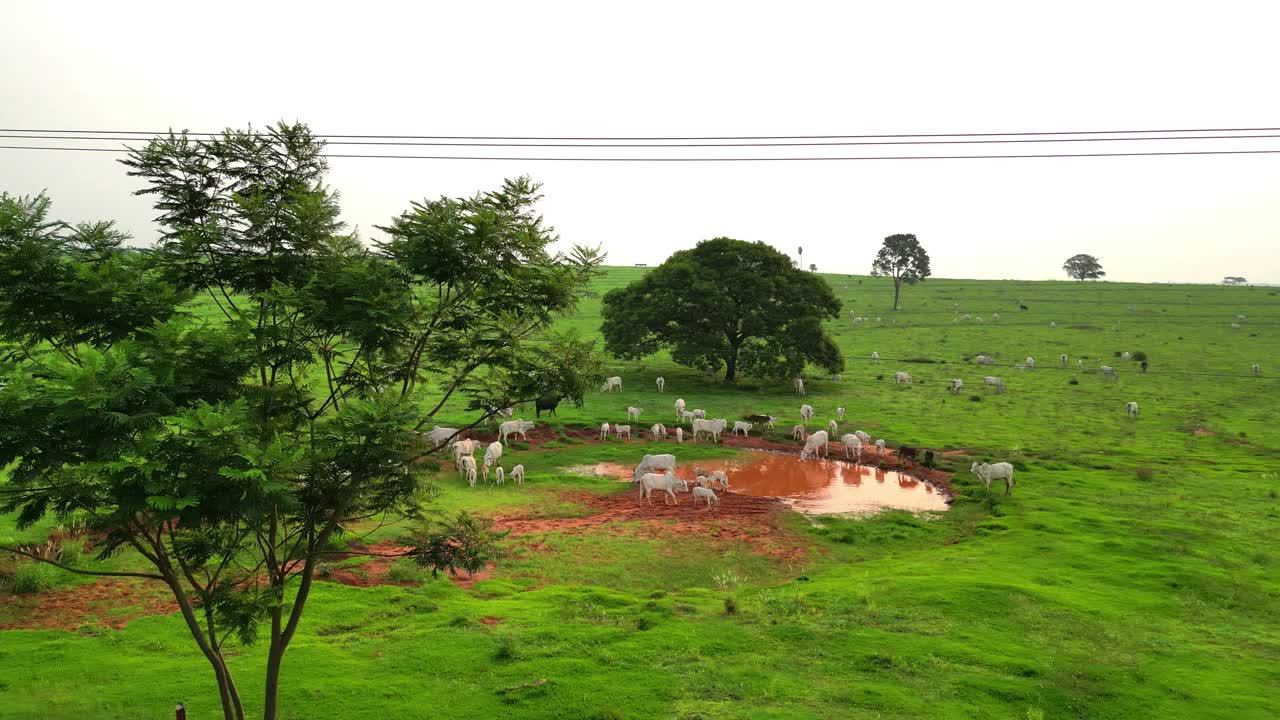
[
  {"x": 907, "y": 453},
  {"x": 546, "y": 403},
  {"x": 928, "y": 458}
]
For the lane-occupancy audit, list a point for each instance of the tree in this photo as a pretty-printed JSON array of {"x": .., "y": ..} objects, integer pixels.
[
  {"x": 726, "y": 303},
  {"x": 204, "y": 447},
  {"x": 813, "y": 267},
  {"x": 1234, "y": 280},
  {"x": 1083, "y": 267},
  {"x": 903, "y": 259}
]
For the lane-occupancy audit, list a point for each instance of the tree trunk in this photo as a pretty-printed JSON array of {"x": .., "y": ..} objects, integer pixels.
[
  {"x": 897, "y": 285},
  {"x": 731, "y": 367}
]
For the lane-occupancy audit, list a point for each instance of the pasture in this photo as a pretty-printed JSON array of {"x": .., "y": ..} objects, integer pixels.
[{"x": 1133, "y": 572}]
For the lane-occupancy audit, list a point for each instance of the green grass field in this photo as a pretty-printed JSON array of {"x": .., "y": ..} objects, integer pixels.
[{"x": 1133, "y": 573}]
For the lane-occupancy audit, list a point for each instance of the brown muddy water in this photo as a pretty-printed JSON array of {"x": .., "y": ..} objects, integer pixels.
[{"x": 818, "y": 487}]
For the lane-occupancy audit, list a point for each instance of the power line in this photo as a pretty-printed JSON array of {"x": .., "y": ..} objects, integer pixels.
[
  {"x": 689, "y": 138},
  {"x": 721, "y": 159},
  {"x": 842, "y": 143}
]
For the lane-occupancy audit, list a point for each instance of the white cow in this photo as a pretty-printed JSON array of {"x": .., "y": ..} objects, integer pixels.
[
  {"x": 662, "y": 384},
  {"x": 721, "y": 478},
  {"x": 797, "y": 432},
  {"x": 840, "y": 414},
  {"x": 1030, "y": 362},
  {"x": 995, "y": 316},
  {"x": 687, "y": 416},
  {"x": 1125, "y": 355},
  {"x": 984, "y": 360},
  {"x": 1109, "y": 372},
  {"x": 875, "y": 358},
  {"x": 1062, "y": 360},
  {"x": 832, "y": 428},
  {"x": 699, "y": 414},
  {"x": 658, "y": 431},
  {"x": 815, "y": 443},
  {"x": 439, "y": 435},
  {"x": 633, "y": 413},
  {"x": 620, "y": 430},
  {"x": 461, "y": 449},
  {"x": 864, "y": 436},
  {"x": 679, "y": 408},
  {"x": 665, "y": 462},
  {"x": 1053, "y": 324},
  {"x": 994, "y": 382},
  {"x": 707, "y": 494},
  {"x": 745, "y": 427},
  {"x": 797, "y": 384},
  {"x": 680, "y": 435},
  {"x": 1257, "y": 370},
  {"x": 514, "y": 427},
  {"x": 492, "y": 456},
  {"x": 994, "y": 471},
  {"x": 852, "y": 446},
  {"x": 611, "y": 384},
  {"x": 711, "y": 427},
  {"x": 664, "y": 482},
  {"x": 902, "y": 378},
  {"x": 604, "y": 431},
  {"x": 1131, "y": 408},
  {"x": 517, "y": 474},
  {"x": 880, "y": 447},
  {"x": 806, "y": 412},
  {"x": 469, "y": 469},
  {"x": 499, "y": 476},
  {"x": 956, "y": 385}
]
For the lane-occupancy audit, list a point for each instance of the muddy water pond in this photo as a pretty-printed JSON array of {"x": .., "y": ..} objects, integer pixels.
[{"x": 812, "y": 486}]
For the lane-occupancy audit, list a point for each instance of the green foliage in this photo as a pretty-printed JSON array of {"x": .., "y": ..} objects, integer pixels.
[
  {"x": 726, "y": 304},
  {"x": 1083, "y": 267},
  {"x": 903, "y": 259},
  {"x": 465, "y": 542},
  {"x": 30, "y": 577}
]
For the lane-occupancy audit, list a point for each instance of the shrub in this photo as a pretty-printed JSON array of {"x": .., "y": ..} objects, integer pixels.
[
  {"x": 508, "y": 648},
  {"x": 880, "y": 376},
  {"x": 1145, "y": 474},
  {"x": 975, "y": 398},
  {"x": 643, "y": 623},
  {"x": 605, "y": 714},
  {"x": 403, "y": 571},
  {"x": 1073, "y": 381},
  {"x": 730, "y": 606},
  {"x": 31, "y": 577},
  {"x": 1140, "y": 356}
]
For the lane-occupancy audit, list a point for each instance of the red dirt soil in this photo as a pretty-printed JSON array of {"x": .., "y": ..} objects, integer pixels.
[{"x": 70, "y": 608}]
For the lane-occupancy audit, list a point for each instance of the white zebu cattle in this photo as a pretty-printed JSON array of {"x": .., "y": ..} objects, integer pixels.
[
  {"x": 517, "y": 474},
  {"x": 665, "y": 482},
  {"x": 1030, "y": 362},
  {"x": 1109, "y": 372},
  {"x": 806, "y": 412},
  {"x": 679, "y": 408},
  {"x": 461, "y": 449},
  {"x": 984, "y": 360},
  {"x": 633, "y": 413},
  {"x": 956, "y": 385},
  {"x": 711, "y": 427},
  {"x": 499, "y": 476},
  {"x": 815, "y": 443},
  {"x": 1062, "y": 360},
  {"x": 994, "y": 471},
  {"x": 658, "y": 431},
  {"x": 745, "y": 427},
  {"x": 468, "y": 464},
  {"x": 875, "y": 358},
  {"x": 832, "y": 428},
  {"x": 604, "y": 431},
  {"x": 840, "y": 414},
  {"x": 680, "y": 435},
  {"x": 620, "y": 430},
  {"x": 880, "y": 447},
  {"x": 662, "y": 383},
  {"x": 1257, "y": 370},
  {"x": 613, "y": 383},
  {"x": 797, "y": 432},
  {"x": 864, "y": 436},
  {"x": 797, "y": 384},
  {"x": 852, "y": 446},
  {"x": 492, "y": 456},
  {"x": 440, "y": 435},
  {"x": 514, "y": 427},
  {"x": 706, "y": 494},
  {"x": 1131, "y": 408},
  {"x": 902, "y": 378},
  {"x": 664, "y": 462}
]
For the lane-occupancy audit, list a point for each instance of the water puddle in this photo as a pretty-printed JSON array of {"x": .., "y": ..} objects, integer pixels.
[{"x": 820, "y": 487}]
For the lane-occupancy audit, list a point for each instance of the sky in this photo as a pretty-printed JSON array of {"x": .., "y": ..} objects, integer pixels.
[{"x": 706, "y": 69}]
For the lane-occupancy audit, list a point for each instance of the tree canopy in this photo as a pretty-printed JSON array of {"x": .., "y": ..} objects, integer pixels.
[
  {"x": 1083, "y": 267},
  {"x": 740, "y": 306},
  {"x": 903, "y": 259},
  {"x": 205, "y": 447}
]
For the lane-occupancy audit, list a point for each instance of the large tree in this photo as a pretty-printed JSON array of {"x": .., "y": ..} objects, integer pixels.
[
  {"x": 730, "y": 304},
  {"x": 1083, "y": 267},
  {"x": 207, "y": 448},
  {"x": 903, "y": 259}
]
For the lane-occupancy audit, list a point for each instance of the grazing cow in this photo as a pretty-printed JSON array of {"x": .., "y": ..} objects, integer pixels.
[
  {"x": 611, "y": 384},
  {"x": 662, "y": 384},
  {"x": 745, "y": 427},
  {"x": 1131, "y": 408},
  {"x": 1257, "y": 370},
  {"x": 633, "y": 413},
  {"x": 1062, "y": 360},
  {"x": 664, "y": 462},
  {"x": 875, "y": 358},
  {"x": 547, "y": 403},
  {"x": 469, "y": 469},
  {"x": 711, "y": 427},
  {"x": 797, "y": 384},
  {"x": 1235, "y": 326},
  {"x": 806, "y": 412},
  {"x": 1109, "y": 372},
  {"x": 984, "y": 360},
  {"x": 499, "y": 476},
  {"x": 680, "y": 435},
  {"x": 815, "y": 443},
  {"x": 461, "y": 449},
  {"x": 880, "y": 447},
  {"x": 995, "y": 316},
  {"x": 994, "y": 382},
  {"x": 1030, "y": 362},
  {"x": 902, "y": 378},
  {"x": 664, "y": 482},
  {"x": 514, "y": 427},
  {"x": 840, "y": 414},
  {"x": 604, "y": 431},
  {"x": 852, "y": 446},
  {"x": 994, "y": 471},
  {"x": 679, "y": 408},
  {"x": 832, "y": 428},
  {"x": 620, "y": 430},
  {"x": 864, "y": 436},
  {"x": 687, "y": 416},
  {"x": 699, "y": 414},
  {"x": 721, "y": 478},
  {"x": 505, "y": 412},
  {"x": 797, "y": 432},
  {"x": 706, "y": 494},
  {"x": 440, "y": 435},
  {"x": 658, "y": 431},
  {"x": 956, "y": 385}
]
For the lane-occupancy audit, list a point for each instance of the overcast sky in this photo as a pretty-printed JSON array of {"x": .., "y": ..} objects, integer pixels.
[{"x": 695, "y": 69}]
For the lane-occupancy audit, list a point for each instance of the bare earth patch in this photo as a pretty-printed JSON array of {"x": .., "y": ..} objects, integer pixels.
[{"x": 109, "y": 602}]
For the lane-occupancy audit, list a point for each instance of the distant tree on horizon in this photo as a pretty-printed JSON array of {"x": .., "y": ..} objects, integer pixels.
[
  {"x": 813, "y": 267},
  {"x": 903, "y": 259},
  {"x": 1083, "y": 267},
  {"x": 726, "y": 304},
  {"x": 1234, "y": 280}
]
